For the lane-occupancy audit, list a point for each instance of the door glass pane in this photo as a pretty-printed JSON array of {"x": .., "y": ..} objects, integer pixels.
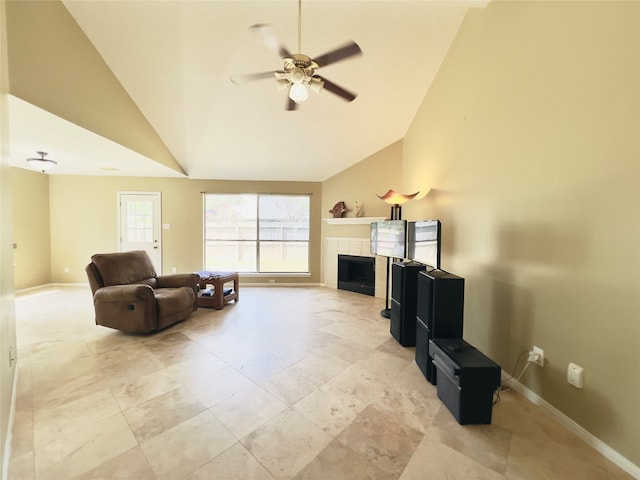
[{"x": 139, "y": 221}]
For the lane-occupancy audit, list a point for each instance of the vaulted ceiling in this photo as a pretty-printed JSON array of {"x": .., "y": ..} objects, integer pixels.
[{"x": 174, "y": 59}]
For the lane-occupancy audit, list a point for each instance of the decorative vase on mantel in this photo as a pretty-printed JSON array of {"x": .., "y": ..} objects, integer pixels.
[
  {"x": 358, "y": 208},
  {"x": 339, "y": 210}
]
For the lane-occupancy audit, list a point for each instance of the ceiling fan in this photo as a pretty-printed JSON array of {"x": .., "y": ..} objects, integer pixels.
[{"x": 298, "y": 75}]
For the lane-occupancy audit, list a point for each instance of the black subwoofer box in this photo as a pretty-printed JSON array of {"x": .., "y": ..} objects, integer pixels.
[
  {"x": 439, "y": 313},
  {"x": 467, "y": 379}
]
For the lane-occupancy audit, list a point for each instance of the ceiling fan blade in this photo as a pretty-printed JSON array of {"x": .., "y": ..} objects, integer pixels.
[
  {"x": 338, "y": 90},
  {"x": 250, "y": 77},
  {"x": 270, "y": 39},
  {"x": 341, "y": 53},
  {"x": 291, "y": 105}
]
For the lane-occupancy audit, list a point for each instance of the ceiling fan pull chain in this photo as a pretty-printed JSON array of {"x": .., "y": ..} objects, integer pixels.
[{"x": 299, "y": 26}]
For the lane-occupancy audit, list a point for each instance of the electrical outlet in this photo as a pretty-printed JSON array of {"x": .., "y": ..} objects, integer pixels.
[
  {"x": 66, "y": 269},
  {"x": 271, "y": 280},
  {"x": 538, "y": 355},
  {"x": 174, "y": 270}
]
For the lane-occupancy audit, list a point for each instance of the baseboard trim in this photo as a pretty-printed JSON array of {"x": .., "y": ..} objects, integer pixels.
[
  {"x": 50, "y": 285},
  {"x": 244, "y": 284},
  {"x": 279, "y": 284},
  {"x": 12, "y": 414},
  {"x": 611, "y": 454}
]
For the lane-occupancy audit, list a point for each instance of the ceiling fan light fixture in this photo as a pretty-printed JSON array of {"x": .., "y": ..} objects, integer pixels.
[
  {"x": 298, "y": 92},
  {"x": 297, "y": 75},
  {"x": 282, "y": 84},
  {"x": 315, "y": 84},
  {"x": 42, "y": 164}
]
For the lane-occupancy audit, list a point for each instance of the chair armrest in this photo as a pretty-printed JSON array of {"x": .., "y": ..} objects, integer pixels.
[
  {"x": 178, "y": 280},
  {"x": 130, "y": 308},
  {"x": 124, "y": 293}
]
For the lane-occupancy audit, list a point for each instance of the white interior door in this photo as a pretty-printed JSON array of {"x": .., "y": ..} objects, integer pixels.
[{"x": 140, "y": 226}]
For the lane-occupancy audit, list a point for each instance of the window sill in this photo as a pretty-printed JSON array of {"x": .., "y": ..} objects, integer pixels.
[{"x": 274, "y": 275}]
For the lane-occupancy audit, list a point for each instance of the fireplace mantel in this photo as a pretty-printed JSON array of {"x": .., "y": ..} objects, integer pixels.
[{"x": 353, "y": 220}]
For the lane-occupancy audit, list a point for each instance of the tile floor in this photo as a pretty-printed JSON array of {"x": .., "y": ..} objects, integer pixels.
[{"x": 290, "y": 383}]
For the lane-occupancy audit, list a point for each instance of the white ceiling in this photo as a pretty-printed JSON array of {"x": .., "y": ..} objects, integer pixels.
[
  {"x": 77, "y": 150},
  {"x": 175, "y": 58}
]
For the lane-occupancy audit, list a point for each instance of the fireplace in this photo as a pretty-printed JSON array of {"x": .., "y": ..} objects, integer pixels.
[{"x": 357, "y": 274}]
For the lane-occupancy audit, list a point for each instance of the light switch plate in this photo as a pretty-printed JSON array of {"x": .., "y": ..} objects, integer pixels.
[{"x": 575, "y": 375}]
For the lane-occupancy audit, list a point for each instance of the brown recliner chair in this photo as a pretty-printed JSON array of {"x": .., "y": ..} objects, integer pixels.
[{"x": 128, "y": 295}]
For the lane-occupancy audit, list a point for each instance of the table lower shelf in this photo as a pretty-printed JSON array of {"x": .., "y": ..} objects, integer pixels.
[{"x": 210, "y": 301}]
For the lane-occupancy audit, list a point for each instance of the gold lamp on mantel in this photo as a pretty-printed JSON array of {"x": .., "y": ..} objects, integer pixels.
[{"x": 396, "y": 199}]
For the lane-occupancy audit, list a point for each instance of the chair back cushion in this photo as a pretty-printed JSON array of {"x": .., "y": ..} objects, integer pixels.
[{"x": 123, "y": 268}]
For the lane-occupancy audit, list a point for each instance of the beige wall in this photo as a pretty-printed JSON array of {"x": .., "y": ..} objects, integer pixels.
[
  {"x": 83, "y": 215},
  {"x": 84, "y": 220},
  {"x": 362, "y": 182},
  {"x": 7, "y": 311},
  {"x": 31, "y": 229},
  {"x": 73, "y": 69},
  {"x": 529, "y": 139}
]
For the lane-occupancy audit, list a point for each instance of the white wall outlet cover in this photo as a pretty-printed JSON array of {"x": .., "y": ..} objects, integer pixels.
[
  {"x": 575, "y": 375},
  {"x": 166, "y": 226},
  {"x": 540, "y": 355}
]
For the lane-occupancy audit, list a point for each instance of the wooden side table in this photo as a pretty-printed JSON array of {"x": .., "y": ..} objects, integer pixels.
[{"x": 218, "y": 279}]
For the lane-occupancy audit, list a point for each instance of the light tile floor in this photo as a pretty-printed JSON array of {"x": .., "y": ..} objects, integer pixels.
[{"x": 289, "y": 383}]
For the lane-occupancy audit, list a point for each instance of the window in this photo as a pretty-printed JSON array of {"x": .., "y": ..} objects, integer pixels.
[{"x": 265, "y": 233}]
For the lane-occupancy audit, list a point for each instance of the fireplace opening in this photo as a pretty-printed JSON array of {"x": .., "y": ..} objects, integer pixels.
[{"x": 357, "y": 274}]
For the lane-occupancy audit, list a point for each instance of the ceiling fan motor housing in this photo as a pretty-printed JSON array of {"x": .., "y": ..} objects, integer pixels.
[
  {"x": 297, "y": 61},
  {"x": 299, "y": 69}
]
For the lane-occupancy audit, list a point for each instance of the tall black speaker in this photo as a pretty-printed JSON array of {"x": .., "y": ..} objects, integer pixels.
[
  {"x": 439, "y": 313},
  {"x": 404, "y": 276}
]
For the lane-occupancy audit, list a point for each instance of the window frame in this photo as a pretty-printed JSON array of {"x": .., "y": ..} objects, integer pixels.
[{"x": 258, "y": 242}]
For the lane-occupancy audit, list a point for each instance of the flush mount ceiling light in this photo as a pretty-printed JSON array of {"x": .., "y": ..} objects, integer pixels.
[{"x": 42, "y": 164}]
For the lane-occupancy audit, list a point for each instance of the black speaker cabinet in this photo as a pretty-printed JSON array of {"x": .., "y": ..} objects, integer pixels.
[
  {"x": 439, "y": 312},
  {"x": 404, "y": 276}
]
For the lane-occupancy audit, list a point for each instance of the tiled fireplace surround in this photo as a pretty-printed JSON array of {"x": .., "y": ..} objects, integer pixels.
[{"x": 335, "y": 246}]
